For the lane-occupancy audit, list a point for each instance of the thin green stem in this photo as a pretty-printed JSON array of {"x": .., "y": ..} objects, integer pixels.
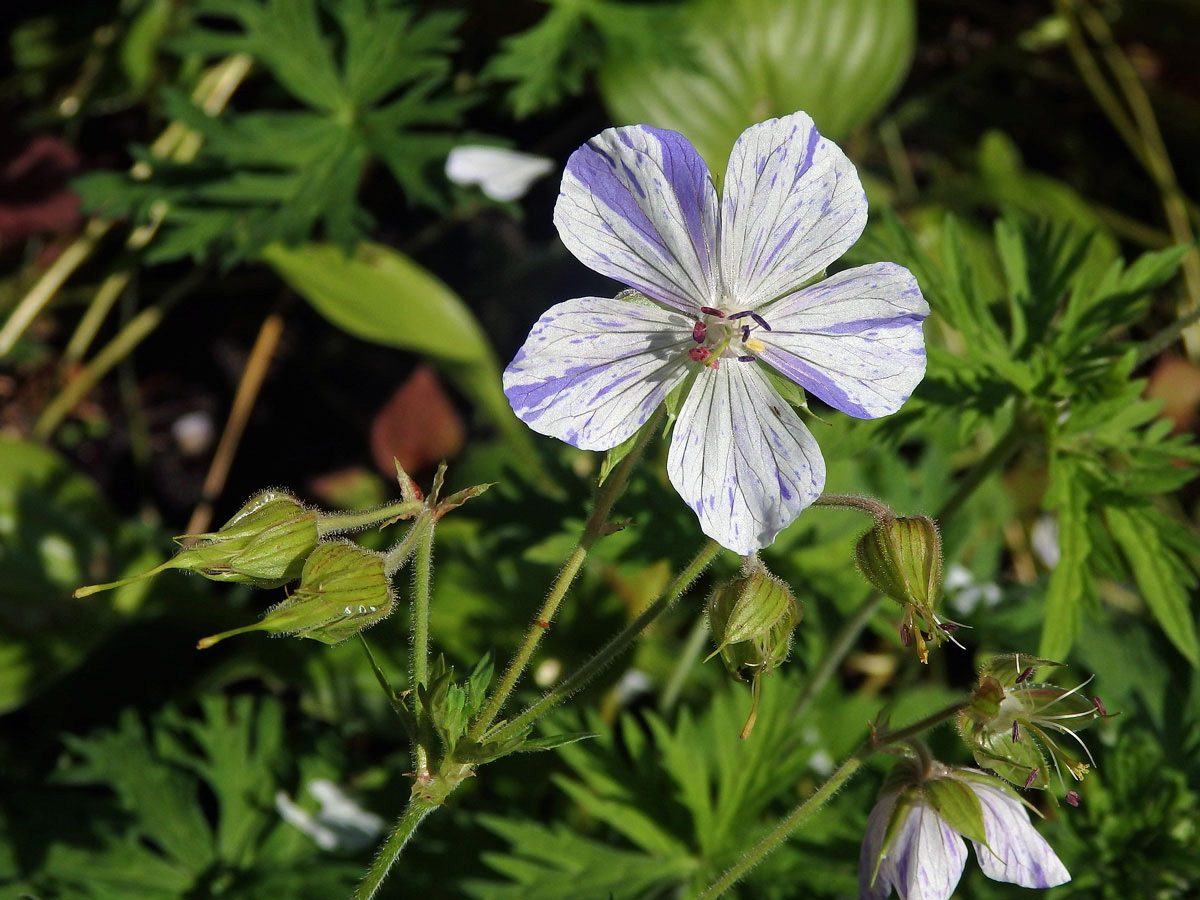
[
  {"x": 606, "y": 495},
  {"x": 692, "y": 647},
  {"x": 336, "y": 523},
  {"x": 418, "y": 808},
  {"x": 616, "y": 645},
  {"x": 817, "y": 798},
  {"x": 402, "y": 551},
  {"x": 869, "y": 505},
  {"x": 137, "y": 330},
  {"x": 97, "y": 311},
  {"x": 422, "y": 588}
]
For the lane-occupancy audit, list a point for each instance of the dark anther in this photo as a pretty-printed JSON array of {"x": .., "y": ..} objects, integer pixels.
[
  {"x": 699, "y": 330},
  {"x": 1073, "y": 798},
  {"x": 699, "y": 354},
  {"x": 1098, "y": 703},
  {"x": 746, "y": 359},
  {"x": 905, "y": 635},
  {"x": 926, "y": 635},
  {"x": 745, "y": 333},
  {"x": 1016, "y": 732},
  {"x": 1033, "y": 774},
  {"x": 760, "y": 320},
  {"x": 949, "y": 627},
  {"x": 1025, "y": 673},
  {"x": 710, "y": 311},
  {"x": 741, "y": 315}
]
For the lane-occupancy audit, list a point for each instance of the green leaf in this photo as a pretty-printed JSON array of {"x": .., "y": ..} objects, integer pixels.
[
  {"x": 1071, "y": 581},
  {"x": 1163, "y": 585},
  {"x": 838, "y": 60}
]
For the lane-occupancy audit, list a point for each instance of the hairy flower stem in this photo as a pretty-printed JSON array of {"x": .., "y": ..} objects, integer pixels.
[
  {"x": 418, "y": 808},
  {"x": 617, "y": 645},
  {"x": 817, "y": 798},
  {"x": 422, "y": 588},
  {"x": 335, "y": 523},
  {"x": 595, "y": 528},
  {"x": 868, "y": 505}
]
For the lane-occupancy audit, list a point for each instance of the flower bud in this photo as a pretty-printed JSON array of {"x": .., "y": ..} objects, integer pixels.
[
  {"x": 1011, "y": 722},
  {"x": 902, "y": 557},
  {"x": 751, "y": 618},
  {"x": 265, "y": 545},
  {"x": 343, "y": 589}
]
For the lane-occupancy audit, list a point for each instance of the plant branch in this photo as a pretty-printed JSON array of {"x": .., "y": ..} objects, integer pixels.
[{"x": 418, "y": 808}]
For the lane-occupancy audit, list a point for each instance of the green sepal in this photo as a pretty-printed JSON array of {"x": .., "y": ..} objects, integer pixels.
[
  {"x": 614, "y": 455},
  {"x": 556, "y": 740},
  {"x": 958, "y": 805},
  {"x": 1006, "y": 668},
  {"x": 1013, "y": 762}
]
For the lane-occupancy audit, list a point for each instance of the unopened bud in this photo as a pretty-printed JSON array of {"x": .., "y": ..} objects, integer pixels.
[
  {"x": 343, "y": 589},
  {"x": 751, "y": 619},
  {"x": 265, "y": 545}
]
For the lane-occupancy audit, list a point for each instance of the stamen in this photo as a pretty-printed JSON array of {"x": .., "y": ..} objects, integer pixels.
[
  {"x": 760, "y": 320},
  {"x": 699, "y": 330},
  {"x": 1025, "y": 673},
  {"x": 905, "y": 635},
  {"x": 710, "y": 311},
  {"x": 745, "y": 333},
  {"x": 742, "y": 314},
  {"x": 948, "y": 627},
  {"x": 1016, "y": 732},
  {"x": 1073, "y": 798},
  {"x": 747, "y": 358},
  {"x": 754, "y": 345},
  {"x": 699, "y": 354},
  {"x": 1033, "y": 774},
  {"x": 1096, "y": 702}
]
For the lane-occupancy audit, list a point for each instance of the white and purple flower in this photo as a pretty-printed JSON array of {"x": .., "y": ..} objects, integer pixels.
[
  {"x": 724, "y": 285},
  {"x": 912, "y": 847}
]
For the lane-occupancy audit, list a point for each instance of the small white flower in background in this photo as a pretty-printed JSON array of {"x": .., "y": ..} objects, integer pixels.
[
  {"x": 1044, "y": 539},
  {"x": 914, "y": 840},
  {"x": 341, "y": 824},
  {"x": 964, "y": 593},
  {"x": 722, "y": 289},
  {"x": 501, "y": 174}
]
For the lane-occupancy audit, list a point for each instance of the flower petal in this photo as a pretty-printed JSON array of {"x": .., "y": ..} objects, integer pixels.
[
  {"x": 741, "y": 457},
  {"x": 792, "y": 205},
  {"x": 500, "y": 173},
  {"x": 853, "y": 339},
  {"x": 873, "y": 882},
  {"x": 593, "y": 370},
  {"x": 926, "y": 858},
  {"x": 638, "y": 205},
  {"x": 1016, "y": 853}
]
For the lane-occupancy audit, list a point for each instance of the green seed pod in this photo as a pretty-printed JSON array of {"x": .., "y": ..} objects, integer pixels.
[
  {"x": 902, "y": 557},
  {"x": 751, "y": 618},
  {"x": 264, "y": 545},
  {"x": 343, "y": 589}
]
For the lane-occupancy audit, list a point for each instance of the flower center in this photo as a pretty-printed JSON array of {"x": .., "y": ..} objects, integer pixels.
[{"x": 726, "y": 335}]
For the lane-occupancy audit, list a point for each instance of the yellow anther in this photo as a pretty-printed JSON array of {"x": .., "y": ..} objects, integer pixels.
[{"x": 754, "y": 345}]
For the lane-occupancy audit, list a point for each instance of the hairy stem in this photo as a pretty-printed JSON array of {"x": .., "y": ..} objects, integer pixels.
[
  {"x": 617, "y": 645},
  {"x": 422, "y": 588},
  {"x": 606, "y": 495},
  {"x": 418, "y": 808},
  {"x": 336, "y": 523},
  {"x": 869, "y": 505}
]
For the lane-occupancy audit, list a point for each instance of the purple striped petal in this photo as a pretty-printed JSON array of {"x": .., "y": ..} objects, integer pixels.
[
  {"x": 593, "y": 370},
  {"x": 792, "y": 205},
  {"x": 1015, "y": 852},
  {"x": 926, "y": 858},
  {"x": 873, "y": 883},
  {"x": 853, "y": 339},
  {"x": 638, "y": 205},
  {"x": 741, "y": 458}
]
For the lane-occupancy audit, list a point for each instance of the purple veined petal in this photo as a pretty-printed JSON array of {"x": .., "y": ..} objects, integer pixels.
[
  {"x": 792, "y": 204},
  {"x": 638, "y": 205},
  {"x": 926, "y": 858},
  {"x": 854, "y": 339},
  {"x": 593, "y": 369},
  {"x": 741, "y": 458},
  {"x": 1015, "y": 853},
  {"x": 873, "y": 882}
]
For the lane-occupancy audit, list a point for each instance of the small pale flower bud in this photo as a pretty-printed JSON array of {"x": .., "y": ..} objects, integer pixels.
[{"x": 343, "y": 589}]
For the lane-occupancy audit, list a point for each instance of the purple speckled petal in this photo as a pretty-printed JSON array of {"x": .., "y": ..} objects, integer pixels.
[
  {"x": 873, "y": 883},
  {"x": 741, "y": 457},
  {"x": 853, "y": 339},
  {"x": 593, "y": 370},
  {"x": 792, "y": 205},
  {"x": 638, "y": 205},
  {"x": 926, "y": 858},
  {"x": 1015, "y": 852}
]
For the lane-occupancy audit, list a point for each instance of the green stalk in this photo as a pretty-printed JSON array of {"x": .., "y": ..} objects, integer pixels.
[
  {"x": 336, "y": 523},
  {"x": 418, "y": 808},
  {"x": 606, "y": 495},
  {"x": 615, "y": 647},
  {"x": 422, "y": 579}
]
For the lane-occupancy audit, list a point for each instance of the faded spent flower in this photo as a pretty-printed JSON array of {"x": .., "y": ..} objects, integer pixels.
[
  {"x": 721, "y": 289},
  {"x": 914, "y": 840}
]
